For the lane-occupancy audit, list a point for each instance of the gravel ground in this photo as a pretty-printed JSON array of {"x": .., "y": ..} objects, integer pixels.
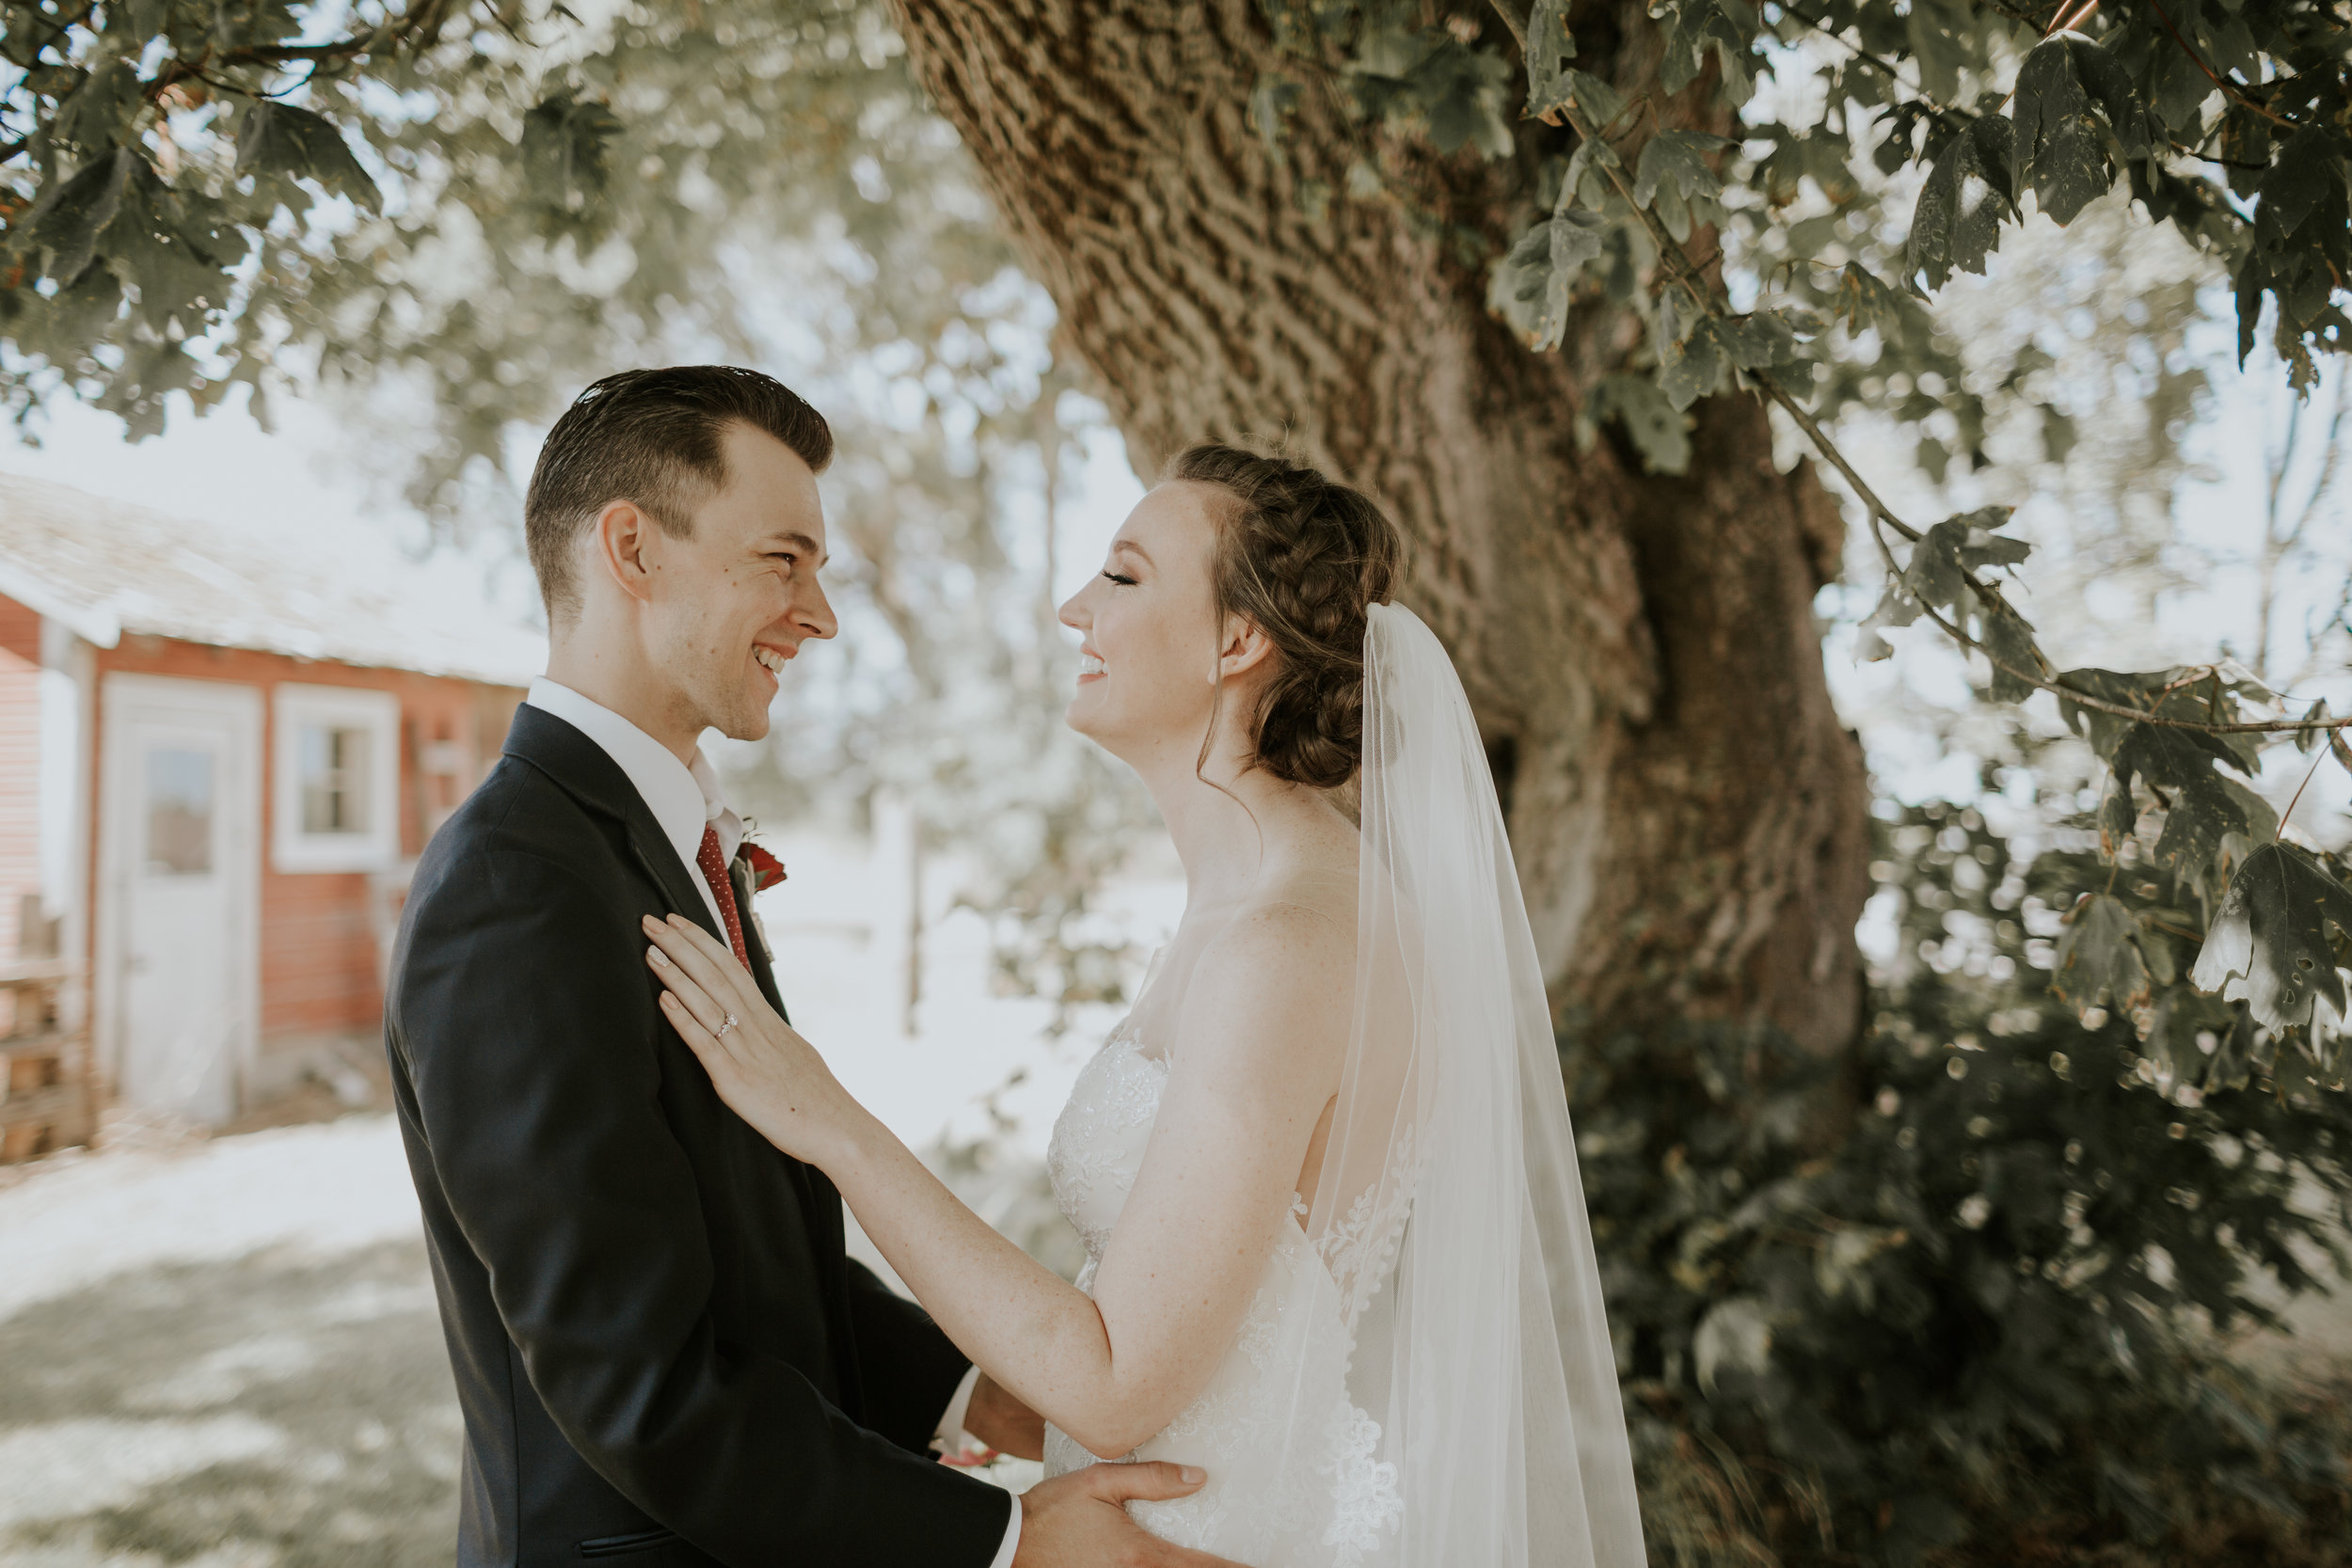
[
  {"x": 225, "y": 1353},
  {"x": 223, "y": 1356},
  {"x": 278, "y": 1410}
]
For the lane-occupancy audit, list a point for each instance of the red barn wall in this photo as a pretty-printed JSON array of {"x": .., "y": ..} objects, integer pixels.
[{"x": 319, "y": 976}]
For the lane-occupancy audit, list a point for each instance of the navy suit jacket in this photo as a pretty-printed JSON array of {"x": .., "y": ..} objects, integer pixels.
[{"x": 661, "y": 1352}]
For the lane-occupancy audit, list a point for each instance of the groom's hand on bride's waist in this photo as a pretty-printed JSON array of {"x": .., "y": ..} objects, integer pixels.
[{"x": 1080, "y": 1520}]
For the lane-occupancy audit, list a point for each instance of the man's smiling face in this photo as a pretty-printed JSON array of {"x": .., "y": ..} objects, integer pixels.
[{"x": 736, "y": 598}]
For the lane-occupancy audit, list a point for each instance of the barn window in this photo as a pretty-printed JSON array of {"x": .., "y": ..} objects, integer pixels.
[
  {"x": 334, "y": 762},
  {"x": 338, "y": 779}
]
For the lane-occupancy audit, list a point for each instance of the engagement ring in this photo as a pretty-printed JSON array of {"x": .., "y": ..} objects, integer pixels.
[{"x": 730, "y": 1023}]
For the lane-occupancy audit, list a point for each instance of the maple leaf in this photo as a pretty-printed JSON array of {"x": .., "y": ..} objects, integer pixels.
[{"x": 2269, "y": 944}]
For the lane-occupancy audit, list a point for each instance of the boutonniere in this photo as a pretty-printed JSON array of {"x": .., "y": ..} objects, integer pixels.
[{"x": 766, "y": 871}]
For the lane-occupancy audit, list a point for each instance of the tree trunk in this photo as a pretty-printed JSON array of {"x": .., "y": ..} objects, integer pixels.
[{"x": 1688, "y": 813}]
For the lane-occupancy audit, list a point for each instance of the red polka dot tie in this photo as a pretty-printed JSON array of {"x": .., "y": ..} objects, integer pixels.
[{"x": 723, "y": 888}]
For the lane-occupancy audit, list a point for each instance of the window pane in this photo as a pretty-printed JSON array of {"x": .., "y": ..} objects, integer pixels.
[
  {"x": 179, "y": 812},
  {"x": 317, "y": 753},
  {"x": 334, "y": 771}
]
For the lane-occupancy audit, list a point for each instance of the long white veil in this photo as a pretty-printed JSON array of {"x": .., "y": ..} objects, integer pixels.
[{"x": 1449, "y": 1210}]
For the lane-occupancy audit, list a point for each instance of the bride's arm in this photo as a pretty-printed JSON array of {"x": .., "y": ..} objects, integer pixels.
[{"x": 1257, "y": 1058}]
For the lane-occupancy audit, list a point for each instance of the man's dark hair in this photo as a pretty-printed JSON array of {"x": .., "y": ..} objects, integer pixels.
[{"x": 652, "y": 437}]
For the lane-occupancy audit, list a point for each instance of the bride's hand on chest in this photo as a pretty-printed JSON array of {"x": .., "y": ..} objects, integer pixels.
[{"x": 762, "y": 1067}]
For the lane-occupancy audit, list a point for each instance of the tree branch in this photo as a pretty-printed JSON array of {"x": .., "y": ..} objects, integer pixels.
[
  {"x": 58, "y": 29},
  {"x": 2229, "y": 88},
  {"x": 2070, "y": 18},
  {"x": 1516, "y": 23},
  {"x": 419, "y": 26},
  {"x": 1885, "y": 68}
]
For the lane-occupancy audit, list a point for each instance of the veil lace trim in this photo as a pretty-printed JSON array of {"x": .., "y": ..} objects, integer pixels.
[{"x": 1360, "y": 1250}]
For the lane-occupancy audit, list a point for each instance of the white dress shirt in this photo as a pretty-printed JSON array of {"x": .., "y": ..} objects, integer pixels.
[{"x": 685, "y": 798}]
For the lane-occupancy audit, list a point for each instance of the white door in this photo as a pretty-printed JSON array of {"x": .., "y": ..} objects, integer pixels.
[{"x": 180, "y": 851}]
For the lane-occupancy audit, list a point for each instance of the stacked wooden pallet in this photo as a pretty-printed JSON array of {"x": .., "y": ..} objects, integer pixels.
[{"x": 45, "y": 1101}]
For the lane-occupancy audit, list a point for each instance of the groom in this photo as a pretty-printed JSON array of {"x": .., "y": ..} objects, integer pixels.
[{"x": 663, "y": 1356}]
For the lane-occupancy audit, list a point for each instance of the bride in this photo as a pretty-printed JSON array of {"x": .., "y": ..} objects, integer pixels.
[{"x": 1337, "y": 1247}]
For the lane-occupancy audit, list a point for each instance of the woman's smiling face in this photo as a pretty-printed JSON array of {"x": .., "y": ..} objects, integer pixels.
[{"x": 1148, "y": 629}]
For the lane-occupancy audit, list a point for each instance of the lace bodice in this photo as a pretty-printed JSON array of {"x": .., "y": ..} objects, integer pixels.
[{"x": 1295, "y": 1479}]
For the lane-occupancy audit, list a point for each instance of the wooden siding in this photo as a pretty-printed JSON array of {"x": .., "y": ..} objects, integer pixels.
[{"x": 319, "y": 930}]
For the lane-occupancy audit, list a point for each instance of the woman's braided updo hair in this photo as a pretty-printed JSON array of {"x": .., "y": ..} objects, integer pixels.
[{"x": 1303, "y": 558}]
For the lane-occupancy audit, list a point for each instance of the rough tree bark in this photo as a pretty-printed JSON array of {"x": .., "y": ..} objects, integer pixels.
[{"x": 1689, "y": 814}]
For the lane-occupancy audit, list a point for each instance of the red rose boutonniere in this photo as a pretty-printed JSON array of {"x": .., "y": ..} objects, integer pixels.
[{"x": 766, "y": 871}]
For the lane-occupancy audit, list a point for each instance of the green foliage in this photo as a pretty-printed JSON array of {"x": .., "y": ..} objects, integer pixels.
[
  {"x": 1991, "y": 1298},
  {"x": 1674, "y": 174},
  {"x": 2103, "y": 960},
  {"x": 1658, "y": 430},
  {"x": 2225, "y": 123},
  {"x": 145, "y": 152},
  {"x": 566, "y": 153},
  {"x": 195, "y": 196},
  {"x": 2281, "y": 932},
  {"x": 2281, "y": 917},
  {"x": 1962, "y": 202},
  {"x": 118, "y": 213},
  {"x": 1631, "y": 181},
  {"x": 1550, "y": 80},
  {"x": 1943, "y": 578},
  {"x": 1532, "y": 282},
  {"x": 2073, "y": 100},
  {"x": 284, "y": 146}
]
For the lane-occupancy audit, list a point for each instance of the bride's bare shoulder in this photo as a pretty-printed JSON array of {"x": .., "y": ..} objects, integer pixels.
[
  {"x": 1284, "y": 967},
  {"x": 1289, "y": 923},
  {"x": 1300, "y": 909},
  {"x": 1304, "y": 906}
]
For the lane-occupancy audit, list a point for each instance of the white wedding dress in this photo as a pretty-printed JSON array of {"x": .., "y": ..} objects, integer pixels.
[
  {"x": 1269, "y": 1502},
  {"x": 1425, "y": 1378}
]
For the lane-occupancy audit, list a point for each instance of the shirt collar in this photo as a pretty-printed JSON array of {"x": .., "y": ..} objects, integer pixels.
[{"x": 684, "y": 796}]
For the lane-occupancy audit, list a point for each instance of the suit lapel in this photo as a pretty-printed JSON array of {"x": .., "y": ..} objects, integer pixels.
[
  {"x": 583, "y": 768},
  {"x": 820, "y": 1200},
  {"x": 659, "y": 860}
]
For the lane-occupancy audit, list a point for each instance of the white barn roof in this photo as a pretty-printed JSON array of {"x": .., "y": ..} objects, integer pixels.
[{"x": 106, "y": 567}]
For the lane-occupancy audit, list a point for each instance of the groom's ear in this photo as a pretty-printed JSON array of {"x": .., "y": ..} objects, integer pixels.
[{"x": 620, "y": 539}]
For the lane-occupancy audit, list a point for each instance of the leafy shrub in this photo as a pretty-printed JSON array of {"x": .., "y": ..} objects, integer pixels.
[{"x": 1976, "y": 1311}]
